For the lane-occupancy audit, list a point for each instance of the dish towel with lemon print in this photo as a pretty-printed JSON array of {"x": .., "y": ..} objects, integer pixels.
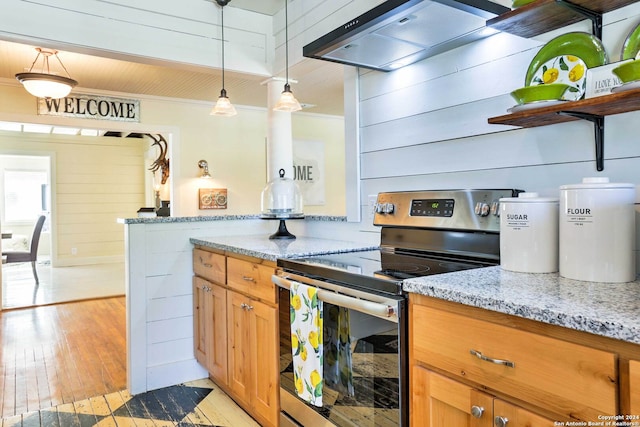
[
  {"x": 306, "y": 342},
  {"x": 338, "y": 366}
]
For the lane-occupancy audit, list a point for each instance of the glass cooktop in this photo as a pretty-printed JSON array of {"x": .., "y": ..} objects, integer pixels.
[{"x": 375, "y": 269}]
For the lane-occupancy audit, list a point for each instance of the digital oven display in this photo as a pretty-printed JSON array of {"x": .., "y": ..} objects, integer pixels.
[{"x": 432, "y": 207}]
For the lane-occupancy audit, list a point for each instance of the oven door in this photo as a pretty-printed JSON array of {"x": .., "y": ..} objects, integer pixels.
[{"x": 365, "y": 381}]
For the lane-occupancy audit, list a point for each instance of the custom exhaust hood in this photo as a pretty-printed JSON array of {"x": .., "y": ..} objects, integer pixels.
[{"x": 400, "y": 32}]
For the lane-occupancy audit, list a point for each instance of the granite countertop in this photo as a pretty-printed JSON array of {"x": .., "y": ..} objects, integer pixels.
[
  {"x": 260, "y": 246},
  {"x": 205, "y": 218},
  {"x": 606, "y": 309}
]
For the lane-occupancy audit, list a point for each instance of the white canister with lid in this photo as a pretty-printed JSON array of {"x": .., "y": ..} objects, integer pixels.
[
  {"x": 529, "y": 233},
  {"x": 597, "y": 231}
]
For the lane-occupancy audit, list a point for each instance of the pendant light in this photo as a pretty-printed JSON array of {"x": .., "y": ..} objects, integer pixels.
[
  {"x": 287, "y": 101},
  {"x": 44, "y": 84},
  {"x": 223, "y": 106}
]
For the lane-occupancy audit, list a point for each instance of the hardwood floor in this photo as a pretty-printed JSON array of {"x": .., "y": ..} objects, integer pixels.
[
  {"x": 59, "y": 284},
  {"x": 61, "y": 354},
  {"x": 65, "y": 366}
]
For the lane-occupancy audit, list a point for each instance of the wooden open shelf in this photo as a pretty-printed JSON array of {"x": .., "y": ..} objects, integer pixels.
[
  {"x": 542, "y": 16},
  {"x": 593, "y": 110},
  {"x": 615, "y": 103}
]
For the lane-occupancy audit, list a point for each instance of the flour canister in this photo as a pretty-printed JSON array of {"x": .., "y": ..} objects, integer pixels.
[
  {"x": 529, "y": 233},
  {"x": 597, "y": 231}
]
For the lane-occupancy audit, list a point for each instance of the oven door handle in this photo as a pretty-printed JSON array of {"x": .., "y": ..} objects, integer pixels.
[{"x": 384, "y": 311}]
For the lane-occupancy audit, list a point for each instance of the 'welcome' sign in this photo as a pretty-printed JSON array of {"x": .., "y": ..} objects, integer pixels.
[{"x": 91, "y": 107}]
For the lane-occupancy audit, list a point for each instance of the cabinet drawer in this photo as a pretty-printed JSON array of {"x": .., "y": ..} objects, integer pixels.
[
  {"x": 567, "y": 378},
  {"x": 251, "y": 278},
  {"x": 210, "y": 266}
]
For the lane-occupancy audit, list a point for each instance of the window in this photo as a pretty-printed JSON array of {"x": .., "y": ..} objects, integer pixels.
[{"x": 25, "y": 194}]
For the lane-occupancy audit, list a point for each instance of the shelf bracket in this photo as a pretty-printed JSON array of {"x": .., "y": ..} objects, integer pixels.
[
  {"x": 598, "y": 127},
  {"x": 595, "y": 17}
]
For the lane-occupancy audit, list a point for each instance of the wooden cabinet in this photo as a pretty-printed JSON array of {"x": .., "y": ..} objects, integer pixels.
[
  {"x": 634, "y": 388},
  {"x": 253, "y": 338},
  {"x": 460, "y": 356},
  {"x": 210, "y": 327},
  {"x": 442, "y": 402},
  {"x": 236, "y": 329}
]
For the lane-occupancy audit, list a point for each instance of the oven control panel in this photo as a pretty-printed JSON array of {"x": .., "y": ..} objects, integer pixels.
[
  {"x": 450, "y": 209},
  {"x": 432, "y": 207}
]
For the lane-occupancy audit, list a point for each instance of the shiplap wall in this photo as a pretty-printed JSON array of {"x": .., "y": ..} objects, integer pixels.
[
  {"x": 425, "y": 126},
  {"x": 95, "y": 181}
]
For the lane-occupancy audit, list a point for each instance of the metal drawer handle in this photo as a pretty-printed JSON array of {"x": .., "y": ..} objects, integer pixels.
[
  {"x": 501, "y": 421},
  {"x": 492, "y": 360},
  {"x": 206, "y": 264},
  {"x": 477, "y": 411},
  {"x": 248, "y": 278},
  {"x": 246, "y": 306}
]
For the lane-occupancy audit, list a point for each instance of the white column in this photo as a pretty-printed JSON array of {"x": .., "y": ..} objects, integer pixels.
[{"x": 279, "y": 133}]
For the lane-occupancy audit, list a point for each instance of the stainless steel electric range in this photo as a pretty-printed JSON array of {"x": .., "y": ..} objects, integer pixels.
[{"x": 423, "y": 233}]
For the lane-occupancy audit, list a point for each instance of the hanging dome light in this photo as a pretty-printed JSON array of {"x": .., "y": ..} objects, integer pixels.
[
  {"x": 223, "y": 106},
  {"x": 287, "y": 101},
  {"x": 44, "y": 84}
]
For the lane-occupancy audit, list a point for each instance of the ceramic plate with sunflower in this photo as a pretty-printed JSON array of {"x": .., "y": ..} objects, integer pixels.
[{"x": 565, "y": 59}]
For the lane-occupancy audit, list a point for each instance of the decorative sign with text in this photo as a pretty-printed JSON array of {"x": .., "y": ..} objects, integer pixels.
[
  {"x": 308, "y": 170},
  {"x": 91, "y": 107}
]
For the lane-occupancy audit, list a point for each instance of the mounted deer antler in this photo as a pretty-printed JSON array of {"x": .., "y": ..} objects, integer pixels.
[{"x": 161, "y": 162}]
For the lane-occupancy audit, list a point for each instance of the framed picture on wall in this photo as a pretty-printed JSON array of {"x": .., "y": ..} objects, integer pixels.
[{"x": 212, "y": 198}]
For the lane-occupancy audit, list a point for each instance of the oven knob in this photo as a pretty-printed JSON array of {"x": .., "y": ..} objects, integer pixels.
[
  {"x": 495, "y": 208},
  {"x": 482, "y": 209},
  {"x": 389, "y": 208}
]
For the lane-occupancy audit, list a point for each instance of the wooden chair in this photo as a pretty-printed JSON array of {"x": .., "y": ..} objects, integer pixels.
[{"x": 26, "y": 256}]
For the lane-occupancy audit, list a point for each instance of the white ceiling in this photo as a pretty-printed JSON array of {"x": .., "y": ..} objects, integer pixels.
[{"x": 319, "y": 84}]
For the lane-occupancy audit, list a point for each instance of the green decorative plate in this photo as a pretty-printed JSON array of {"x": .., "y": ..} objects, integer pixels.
[
  {"x": 519, "y": 3},
  {"x": 631, "y": 46},
  {"x": 572, "y": 49}
]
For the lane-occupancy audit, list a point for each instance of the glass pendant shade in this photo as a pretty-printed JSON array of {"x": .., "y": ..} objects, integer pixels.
[
  {"x": 287, "y": 101},
  {"x": 223, "y": 106},
  {"x": 45, "y": 84}
]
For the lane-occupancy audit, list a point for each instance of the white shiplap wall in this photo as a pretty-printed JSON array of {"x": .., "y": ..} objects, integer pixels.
[{"x": 425, "y": 126}]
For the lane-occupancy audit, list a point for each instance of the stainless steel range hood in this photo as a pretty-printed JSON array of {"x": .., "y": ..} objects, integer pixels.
[{"x": 400, "y": 32}]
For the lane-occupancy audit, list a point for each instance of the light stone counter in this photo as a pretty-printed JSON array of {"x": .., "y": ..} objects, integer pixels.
[
  {"x": 607, "y": 309},
  {"x": 261, "y": 247}
]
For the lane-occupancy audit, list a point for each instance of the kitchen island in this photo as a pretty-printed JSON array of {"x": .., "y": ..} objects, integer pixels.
[
  {"x": 535, "y": 349},
  {"x": 237, "y": 313},
  {"x": 159, "y": 291}
]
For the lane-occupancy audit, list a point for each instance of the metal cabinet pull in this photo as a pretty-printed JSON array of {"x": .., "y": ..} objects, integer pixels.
[
  {"x": 477, "y": 411},
  {"x": 500, "y": 421},
  {"x": 248, "y": 278},
  {"x": 206, "y": 264},
  {"x": 246, "y": 306},
  {"x": 492, "y": 360}
]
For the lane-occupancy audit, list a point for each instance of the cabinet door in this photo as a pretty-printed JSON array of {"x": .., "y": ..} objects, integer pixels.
[
  {"x": 634, "y": 387},
  {"x": 437, "y": 401},
  {"x": 515, "y": 416},
  {"x": 199, "y": 320},
  {"x": 216, "y": 322},
  {"x": 239, "y": 353},
  {"x": 264, "y": 360}
]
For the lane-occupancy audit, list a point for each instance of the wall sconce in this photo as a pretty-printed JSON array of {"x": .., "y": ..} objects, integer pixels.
[{"x": 202, "y": 164}]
